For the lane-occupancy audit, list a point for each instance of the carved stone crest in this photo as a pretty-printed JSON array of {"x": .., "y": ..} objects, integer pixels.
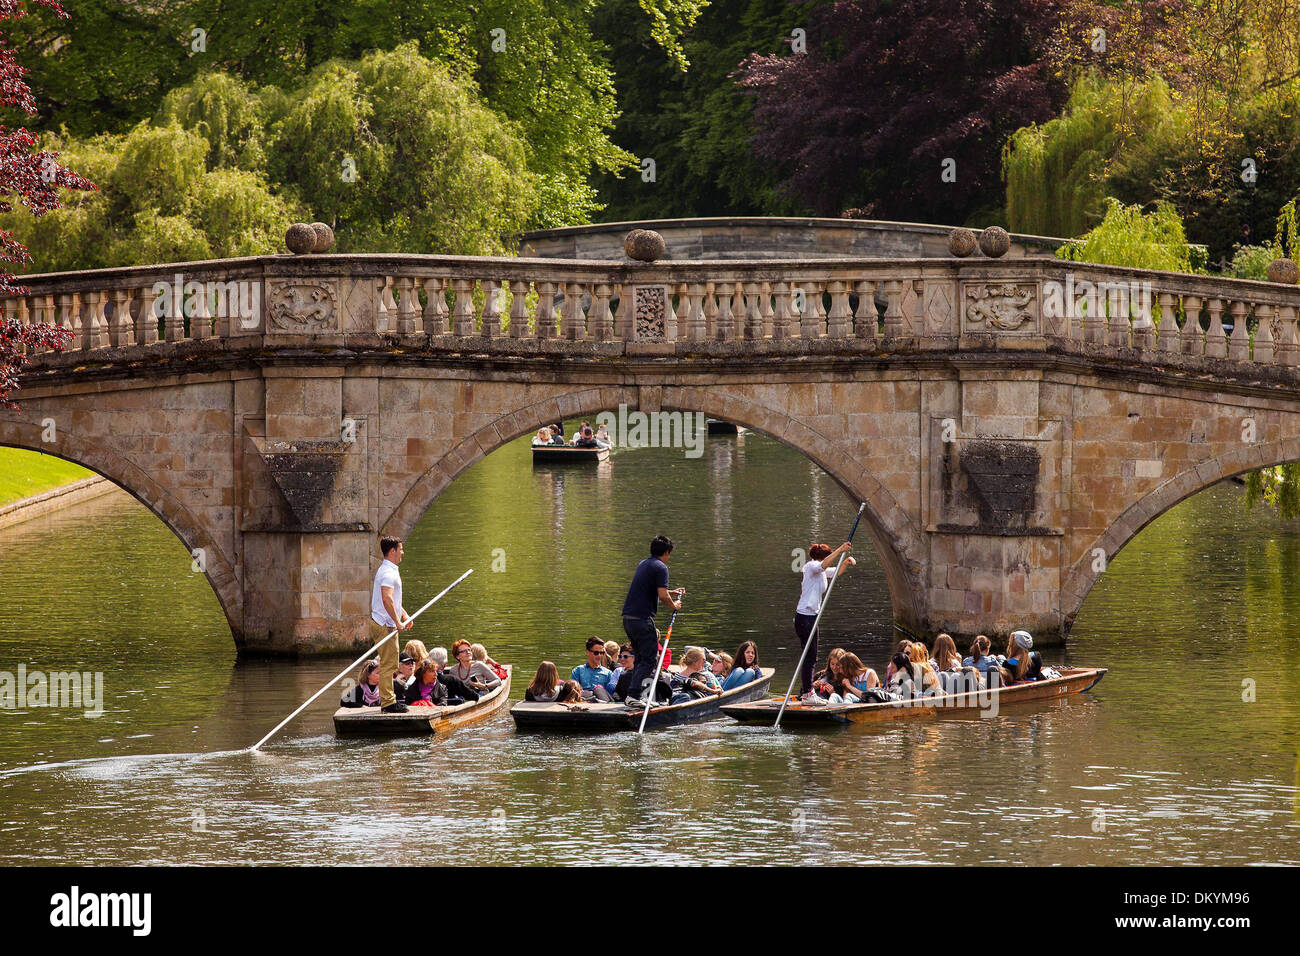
[
  {"x": 1001, "y": 307},
  {"x": 650, "y": 305},
  {"x": 303, "y": 305}
]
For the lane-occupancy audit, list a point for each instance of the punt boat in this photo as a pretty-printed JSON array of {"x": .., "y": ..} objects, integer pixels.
[
  {"x": 370, "y": 721},
  {"x": 554, "y": 454},
  {"x": 1073, "y": 680},
  {"x": 594, "y": 717}
]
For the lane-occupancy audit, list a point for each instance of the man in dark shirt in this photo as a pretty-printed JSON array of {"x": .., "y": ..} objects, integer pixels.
[{"x": 649, "y": 587}]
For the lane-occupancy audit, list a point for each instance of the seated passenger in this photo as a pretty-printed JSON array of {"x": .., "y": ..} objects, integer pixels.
[
  {"x": 455, "y": 686},
  {"x": 577, "y": 435},
  {"x": 419, "y": 653},
  {"x": 557, "y": 435},
  {"x": 744, "y": 667},
  {"x": 585, "y": 438},
  {"x": 424, "y": 689},
  {"x": 543, "y": 437},
  {"x": 611, "y": 654},
  {"x": 1017, "y": 664},
  {"x": 476, "y": 674},
  {"x": 945, "y": 656},
  {"x": 623, "y": 663},
  {"x": 546, "y": 684},
  {"x": 405, "y": 669},
  {"x": 903, "y": 647},
  {"x": 721, "y": 665},
  {"x": 979, "y": 655},
  {"x": 823, "y": 681},
  {"x": 593, "y": 676},
  {"x": 570, "y": 693},
  {"x": 366, "y": 691},
  {"x": 694, "y": 681},
  {"x": 855, "y": 678},
  {"x": 479, "y": 653},
  {"x": 602, "y": 437}
]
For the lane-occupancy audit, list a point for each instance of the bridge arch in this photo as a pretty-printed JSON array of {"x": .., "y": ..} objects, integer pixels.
[
  {"x": 105, "y": 462},
  {"x": 897, "y": 543},
  {"x": 1081, "y": 578}
]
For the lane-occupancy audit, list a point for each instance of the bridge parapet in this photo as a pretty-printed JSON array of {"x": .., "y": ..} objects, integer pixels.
[{"x": 732, "y": 308}]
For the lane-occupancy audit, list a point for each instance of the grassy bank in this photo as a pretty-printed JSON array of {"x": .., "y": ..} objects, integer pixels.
[{"x": 24, "y": 473}]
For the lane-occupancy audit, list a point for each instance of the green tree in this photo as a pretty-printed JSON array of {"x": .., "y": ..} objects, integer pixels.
[{"x": 1127, "y": 236}]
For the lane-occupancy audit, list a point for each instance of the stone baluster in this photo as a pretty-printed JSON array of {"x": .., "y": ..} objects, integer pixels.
[
  {"x": 724, "y": 322},
  {"x": 462, "y": 310},
  {"x": 753, "y": 328},
  {"x": 574, "y": 323},
  {"x": 694, "y": 327},
  {"x": 544, "y": 320},
  {"x": 783, "y": 327},
  {"x": 894, "y": 309},
  {"x": 490, "y": 319},
  {"x": 812, "y": 320},
  {"x": 435, "y": 306},
  {"x": 1094, "y": 321},
  {"x": 18, "y": 310},
  {"x": 1167, "y": 337},
  {"x": 670, "y": 316},
  {"x": 387, "y": 306},
  {"x": 94, "y": 322},
  {"x": 837, "y": 322},
  {"x": 173, "y": 316},
  {"x": 601, "y": 318},
  {"x": 1239, "y": 341},
  {"x": 625, "y": 317},
  {"x": 119, "y": 322},
  {"x": 1287, "y": 344},
  {"x": 865, "y": 320},
  {"x": 710, "y": 312},
  {"x": 765, "y": 309},
  {"x": 518, "y": 309},
  {"x": 406, "y": 310},
  {"x": 1189, "y": 341},
  {"x": 1118, "y": 326},
  {"x": 738, "y": 312},
  {"x": 1264, "y": 350},
  {"x": 1216, "y": 342},
  {"x": 200, "y": 314}
]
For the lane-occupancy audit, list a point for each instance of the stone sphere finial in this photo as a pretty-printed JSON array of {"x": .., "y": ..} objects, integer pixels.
[
  {"x": 994, "y": 242},
  {"x": 961, "y": 242},
  {"x": 645, "y": 245},
  {"x": 301, "y": 239},
  {"x": 1284, "y": 271},
  {"x": 324, "y": 237}
]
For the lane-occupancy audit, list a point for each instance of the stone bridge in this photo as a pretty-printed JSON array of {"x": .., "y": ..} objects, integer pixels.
[{"x": 1010, "y": 423}]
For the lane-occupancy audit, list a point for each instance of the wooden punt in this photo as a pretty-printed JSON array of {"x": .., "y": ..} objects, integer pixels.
[
  {"x": 1073, "y": 680},
  {"x": 553, "y": 454},
  {"x": 370, "y": 721},
  {"x": 607, "y": 718}
]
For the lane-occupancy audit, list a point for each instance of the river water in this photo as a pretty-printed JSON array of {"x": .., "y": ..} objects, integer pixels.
[{"x": 1185, "y": 753}]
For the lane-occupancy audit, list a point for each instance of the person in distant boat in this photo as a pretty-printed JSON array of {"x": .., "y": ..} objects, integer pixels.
[
  {"x": 424, "y": 689},
  {"x": 405, "y": 670},
  {"x": 979, "y": 655},
  {"x": 817, "y": 573},
  {"x": 476, "y": 674},
  {"x": 903, "y": 647},
  {"x": 479, "y": 653},
  {"x": 582, "y": 430},
  {"x": 1020, "y": 664},
  {"x": 648, "y": 589},
  {"x": 621, "y": 679},
  {"x": 824, "y": 682},
  {"x": 721, "y": 665},
  {"x": 417, "y": 651},
  {"x": 585, "y": 438},
  {"x": 543, "y": 436},
  {"x": 602, "y": 437},
  {"x": 557, "y": 435},
  {"x": 366, "y": 691},
  {"x": 546, "y": 684},
  {"x": 455, "y": 686},
  {"x": 853, "y": 681},
  {"x": 744, "y": 667},
  {"x": 570, "y": 693},
  {"x": 593, "y": 675},
  {"x": 387, "y": 614},
  {"x": 694, "y": 681},
  {"x": 944, "y": 657},
  {"x": 611, "y": 654}
]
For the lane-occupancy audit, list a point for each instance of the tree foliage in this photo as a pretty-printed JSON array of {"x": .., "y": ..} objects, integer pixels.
[
  {"x": 1127, "y": 236},
  {"x": 891, "y": 89}
]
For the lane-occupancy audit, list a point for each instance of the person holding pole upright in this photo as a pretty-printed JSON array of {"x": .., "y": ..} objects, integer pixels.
[
  {"x": 649, "y": 587},
  {"x": 387, "y": 613},
  {"x": 817, "y": 574}
]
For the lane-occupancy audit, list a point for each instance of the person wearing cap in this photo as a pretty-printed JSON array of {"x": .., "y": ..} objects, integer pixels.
[
  {"x": 386, "y": 615},
  {"x": 405, "y": 668}
]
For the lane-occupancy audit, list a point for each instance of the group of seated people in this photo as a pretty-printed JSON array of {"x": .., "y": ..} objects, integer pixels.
[
  {"x": 424, "y": 679},
  {"x": 584, "y": 437},
  {"x": 915, "y": 671},
  {"x": 606, "y": 675}
]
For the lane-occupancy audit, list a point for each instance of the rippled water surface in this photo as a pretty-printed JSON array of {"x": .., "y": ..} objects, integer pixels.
[{"x": 1164, "y": 762}]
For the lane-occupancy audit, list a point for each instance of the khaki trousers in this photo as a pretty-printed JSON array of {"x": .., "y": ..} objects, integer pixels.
[{"x": 387, "y": 662}]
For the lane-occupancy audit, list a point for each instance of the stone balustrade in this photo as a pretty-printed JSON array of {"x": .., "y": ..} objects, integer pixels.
[{"x": 734, "y": 308}]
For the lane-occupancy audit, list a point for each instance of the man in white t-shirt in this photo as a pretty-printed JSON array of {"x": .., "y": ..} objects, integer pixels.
[
  {"x": 387, "y": 614},
  {"x": 817, "y": 574}
]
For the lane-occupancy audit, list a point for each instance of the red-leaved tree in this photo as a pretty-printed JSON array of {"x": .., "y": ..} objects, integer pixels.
[
  {"x": 34, "y": 177},
  {"x": 889, "y": 90}
]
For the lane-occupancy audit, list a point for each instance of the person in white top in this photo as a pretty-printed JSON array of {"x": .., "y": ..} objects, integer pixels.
[
  {"x": 387, "y": 613},
  {"x": 817, "y": 574}
]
